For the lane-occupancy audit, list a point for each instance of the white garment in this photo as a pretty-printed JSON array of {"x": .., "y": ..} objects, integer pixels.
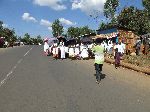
[
  {"x": 90, "y": 46},
  {"x": 61, "y": 43},
  {"x": 46, "y": 46},
  {"x": 84, "y": 53},
  {"x": 6, "y": 43},
  {"x": 81, "y": 47},
  {"x": 62, "y": 49},
  {"x": 55, "y": 44},
  {"x": 104, "y": 45},
  {"x": 124, "y": 47},
  {"x": 71, "y": 52},
  {"x": 55, "y": 50},
  {"x": 120, "y": 48},
  {"x": 66, "y": 49},
  {"x": 109, "y": 46},
  {"x": 50, "y": 49},
  {"x": 77, "y": 51}
]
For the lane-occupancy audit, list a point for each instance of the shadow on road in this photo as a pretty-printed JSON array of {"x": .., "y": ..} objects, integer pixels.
[{"x": 103, "y": 76}]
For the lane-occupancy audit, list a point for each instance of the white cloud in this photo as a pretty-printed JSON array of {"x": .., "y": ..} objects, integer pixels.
[
  {"x": 89, "y": 6},
  {"x": 65, "y": 29},
  {"x": 45, "y": 22},
  {"x": 54, "y": 4},
  {"x": 27, "y": 17},
  {"x": 66, "y": 22},
  {"x": 50, "y": 29},
  {"x": 5, "y": 25}
]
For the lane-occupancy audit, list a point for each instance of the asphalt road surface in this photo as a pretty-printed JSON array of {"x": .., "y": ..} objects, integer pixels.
[{"x": 32, "y": 82}]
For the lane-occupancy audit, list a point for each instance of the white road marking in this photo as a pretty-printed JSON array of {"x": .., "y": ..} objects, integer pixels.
[
  {"x": 9, "y": 73},
  {"x": 12, "y": 70},
  {"x": 28, "y": 51},
  {"x": 19, "y": 61}
]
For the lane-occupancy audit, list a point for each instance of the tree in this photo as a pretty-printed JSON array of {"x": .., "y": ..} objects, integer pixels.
[
  {"x": 75, "y": 32},
  {"x": 110, "y": 8},
  {"x": 85, "y": 30},
  {"x": 1, "y": 26},
  {"x": 26, "y": 39},
  {"x": 9, "y": 34},
  {"x": 39, "y": 39},
  {"x": 146, "y": 4},
  {"x": 102, "y": 25},
  {"x": 134, "y": 19},
  {"x": 1, "y": 29},
  {"x": 57, "y": 28}
]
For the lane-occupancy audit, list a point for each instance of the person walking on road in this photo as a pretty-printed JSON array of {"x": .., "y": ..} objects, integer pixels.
[
  {"x": 99, "y": 60},
  {"x": 117, "y": 58}
]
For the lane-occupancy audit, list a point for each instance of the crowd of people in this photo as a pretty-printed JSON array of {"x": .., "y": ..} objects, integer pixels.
[
  {"x": 61, "y": 51},
  {"x": 81, "y": 50},
  {"x": 96, "y": 49}
]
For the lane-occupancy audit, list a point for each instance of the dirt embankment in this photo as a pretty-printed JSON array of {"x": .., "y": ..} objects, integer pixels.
[{"x": 137, "y": 63}]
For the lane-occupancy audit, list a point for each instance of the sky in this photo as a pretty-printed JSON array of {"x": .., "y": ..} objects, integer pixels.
[{"x": 36, "y": 16}]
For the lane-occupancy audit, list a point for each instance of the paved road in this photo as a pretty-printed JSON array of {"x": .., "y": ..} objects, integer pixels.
[{"x": 32, "y": 82}]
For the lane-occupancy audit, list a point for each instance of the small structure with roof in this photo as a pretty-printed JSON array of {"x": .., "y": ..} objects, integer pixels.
[{"x": 118, "y": 34}]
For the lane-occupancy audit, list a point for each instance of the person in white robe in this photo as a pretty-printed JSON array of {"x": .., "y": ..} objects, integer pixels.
[
  {"x": 120, "y": 48},
  {"x": 84, "y": 53},
  {"x": 123, "y": 48},
  {"x": 81, "y": 46},
  {"x": 110, "y": 47},
  {"x": 77, "y": 51},
  {"x": 62, "y": 50},
  {"x": 71, "y": 52},
  {"x": 46, "y": 46},
  {"x": 67, "y": 51},
  {"x": 55, "y": 52}
]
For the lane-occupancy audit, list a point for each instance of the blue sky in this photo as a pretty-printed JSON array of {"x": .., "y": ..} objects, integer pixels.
[{"x": 36, "y": 16}]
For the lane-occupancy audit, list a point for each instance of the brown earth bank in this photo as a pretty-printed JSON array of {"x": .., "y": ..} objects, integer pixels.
[{"x": 138, "y": 63}]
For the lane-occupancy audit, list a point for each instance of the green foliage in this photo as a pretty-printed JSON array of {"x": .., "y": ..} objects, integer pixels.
[
  {"x": 9, "y": 34},
  {"x": 146, "y": 4},
  {"x": 102, "y": 25},
  {"x": 39, "y": 39},
  {"x": 74, "y": 32},
  {"x": 134, "y": 19},
  {"x": 130, "y": 17},
  {"x": 57, "y": 28},
  {"x": 85, "y": 30},
  {"x": 30, "y": 41},
  {"x": 1, "y": 27},
  {"x": 26, "y": 39},
  {"x": 110, "y": 8}
]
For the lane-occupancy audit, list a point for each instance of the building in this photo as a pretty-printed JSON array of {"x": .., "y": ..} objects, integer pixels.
[{"x": 117, "y": 34}]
